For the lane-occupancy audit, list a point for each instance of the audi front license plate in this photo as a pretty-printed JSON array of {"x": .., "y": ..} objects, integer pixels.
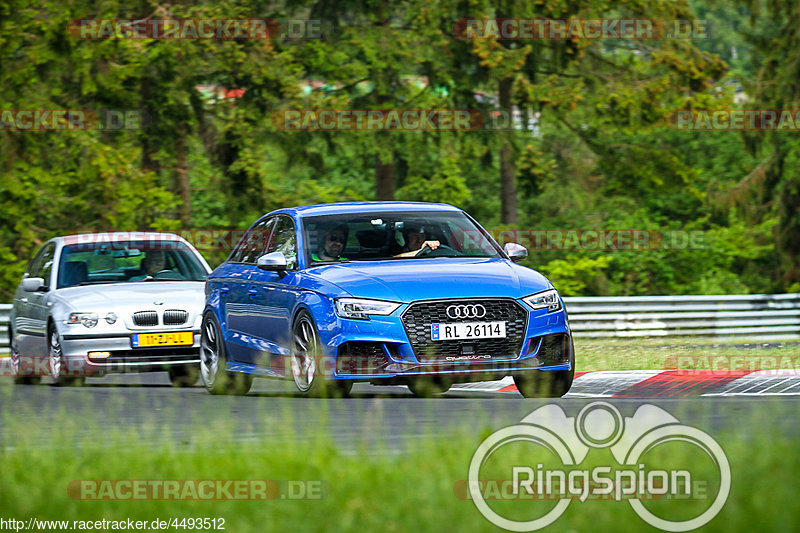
[{"x": 468, "y": 330}]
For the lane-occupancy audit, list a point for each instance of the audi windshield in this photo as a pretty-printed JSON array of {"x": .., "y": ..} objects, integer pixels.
[{"x": 394, "y": 235}]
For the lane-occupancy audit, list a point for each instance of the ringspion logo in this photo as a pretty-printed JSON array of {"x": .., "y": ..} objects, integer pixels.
[{"x": 557, "y": 446}]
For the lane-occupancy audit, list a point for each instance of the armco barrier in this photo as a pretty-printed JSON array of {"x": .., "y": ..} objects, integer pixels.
[
  {"x": 5, "y": 311},
  {"x": 752, "y": 316},
  {"x": 757, "y": 316}
]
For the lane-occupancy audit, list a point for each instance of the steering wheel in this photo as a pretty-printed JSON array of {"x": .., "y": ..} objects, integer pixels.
[
  {"x": 443, "y": 249},
  {"x": 155, "y": 276}
]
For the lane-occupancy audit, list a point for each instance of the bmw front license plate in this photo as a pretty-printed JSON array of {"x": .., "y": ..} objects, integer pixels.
[
  {"x": 468, "y": 330},
  {"x": 175, "y": 338}
]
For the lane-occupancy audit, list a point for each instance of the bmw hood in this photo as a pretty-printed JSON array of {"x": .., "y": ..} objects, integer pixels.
[
  {"x": 87, "y": 298},
  {"x": 422, "y": 279}
]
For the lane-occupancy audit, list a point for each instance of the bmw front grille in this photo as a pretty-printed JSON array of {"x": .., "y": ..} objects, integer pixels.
[
  {"x": 174, "y": 317},
  {"x": 145, "y": 318},
  {"x": 171, "y": 317}
]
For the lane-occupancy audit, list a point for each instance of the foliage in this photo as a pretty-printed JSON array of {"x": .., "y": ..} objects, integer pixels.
[{"x": 590, "y": 150}]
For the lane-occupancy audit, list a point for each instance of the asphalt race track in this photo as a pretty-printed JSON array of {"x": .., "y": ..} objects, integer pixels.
[{"x": 374, "y": 419}]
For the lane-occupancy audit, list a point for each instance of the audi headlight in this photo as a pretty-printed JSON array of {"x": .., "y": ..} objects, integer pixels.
[
  {"x": 549, "y": 300},
  {"x": 360, "y": 308},
  {"x": 87, "y": 319}
]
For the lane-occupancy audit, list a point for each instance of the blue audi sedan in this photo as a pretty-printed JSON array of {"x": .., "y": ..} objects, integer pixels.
[{"x": 389, "y": 293}]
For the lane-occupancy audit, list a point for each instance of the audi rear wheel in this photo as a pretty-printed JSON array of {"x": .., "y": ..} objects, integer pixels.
[{"x": 213, "y": 360}]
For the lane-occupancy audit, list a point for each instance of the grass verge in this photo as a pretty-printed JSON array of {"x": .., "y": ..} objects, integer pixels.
[
  {"x": 659, "y": 353},
  {"x": 365, "y": 491}
]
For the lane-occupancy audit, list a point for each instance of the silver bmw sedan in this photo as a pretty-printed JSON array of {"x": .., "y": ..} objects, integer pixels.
[{"x": 99, "y": 303}]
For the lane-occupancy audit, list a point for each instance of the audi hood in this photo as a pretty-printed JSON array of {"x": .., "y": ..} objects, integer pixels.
[{"x": 407, "y": 280}]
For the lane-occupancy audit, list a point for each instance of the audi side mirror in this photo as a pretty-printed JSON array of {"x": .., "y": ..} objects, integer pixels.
[
  {"x": 274, "y": 261},
  {"x": 32, "y": 284},
  {"x": 515, "y": 252}
]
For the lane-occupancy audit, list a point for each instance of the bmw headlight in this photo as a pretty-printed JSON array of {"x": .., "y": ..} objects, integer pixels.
[
  {"x": 361, "y": 308},
  {"x": 87, "y": 319},
  {"x": 549, "y": 300}
]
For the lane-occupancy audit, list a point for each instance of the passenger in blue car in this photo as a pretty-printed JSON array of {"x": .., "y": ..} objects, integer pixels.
[
  {"x": 415, "y": 240},
  {"x": 332, "y": 244}
]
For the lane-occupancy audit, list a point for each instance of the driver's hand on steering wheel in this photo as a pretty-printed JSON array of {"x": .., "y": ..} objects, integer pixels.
[{"x": 427, "y": 245}]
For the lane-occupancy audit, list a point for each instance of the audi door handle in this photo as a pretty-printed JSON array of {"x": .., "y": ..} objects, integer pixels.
[{"x": 224, "y": 290}]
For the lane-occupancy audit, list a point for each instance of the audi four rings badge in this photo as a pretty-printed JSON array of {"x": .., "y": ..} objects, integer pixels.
[{"x": 466, "y": 311}]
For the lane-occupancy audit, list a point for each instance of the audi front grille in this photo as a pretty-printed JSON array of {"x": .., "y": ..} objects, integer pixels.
[{"x": 419, "y": 316}]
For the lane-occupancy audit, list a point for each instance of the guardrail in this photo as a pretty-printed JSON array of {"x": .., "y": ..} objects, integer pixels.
[
  {"x": 757, "y": 316},
  {"x": 5, "y": 311}
]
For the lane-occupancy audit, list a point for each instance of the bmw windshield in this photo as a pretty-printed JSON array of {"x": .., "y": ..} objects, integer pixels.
[
  {"x": 394, "y": 235},
  {"x": 128, "y": 261}
]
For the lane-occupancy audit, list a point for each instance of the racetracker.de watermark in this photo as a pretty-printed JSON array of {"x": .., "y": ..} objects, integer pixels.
[
  {"x": 377, "y": 119},
  {"x": 734, "y": 120},
  {"x": 602, "y": 239},
  {"x": 403, "y": 120},
  {"x": 624, "y": 239},
  {"x": 724, "y": 364},
  {"x": 72, "y": 119},
  {"x": 195, "y": 489},
  {"x": 539, "y": 29},
  {"x": 195, "y": 29},
  {"x": 548, "y": 434}
]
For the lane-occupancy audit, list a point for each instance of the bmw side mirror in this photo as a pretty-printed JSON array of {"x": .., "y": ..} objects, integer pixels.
[
  {"x": 32, "y": 284},
  {"x": 515, "y": 252},
  {"x": 275, "y": 261}
]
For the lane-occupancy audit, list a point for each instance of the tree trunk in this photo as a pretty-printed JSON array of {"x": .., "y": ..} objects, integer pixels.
[
  {"x": 146, "y": 136},
  {"x": 508, "y": 184},
  {"x": 384, "y": 178},
  {"x": 182, "y": 187}
]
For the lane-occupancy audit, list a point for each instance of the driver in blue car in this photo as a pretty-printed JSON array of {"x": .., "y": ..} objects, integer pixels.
[
  {"x": 332, "y": 244},
  {"x": 415, "y": 241}
]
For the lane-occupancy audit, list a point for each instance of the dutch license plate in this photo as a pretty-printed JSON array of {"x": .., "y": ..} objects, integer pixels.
[
  {"x": 174, "y": 338},
  {"x": 468, "y": 330}
]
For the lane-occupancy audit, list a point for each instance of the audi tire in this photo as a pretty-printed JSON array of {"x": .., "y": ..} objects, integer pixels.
[{"x": 547, "y": 384}]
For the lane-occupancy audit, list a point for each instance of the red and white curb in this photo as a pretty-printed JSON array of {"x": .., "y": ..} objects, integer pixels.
[{"x": 666, "y": 383}]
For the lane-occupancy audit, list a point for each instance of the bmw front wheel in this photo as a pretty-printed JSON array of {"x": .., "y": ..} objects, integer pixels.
[{"x": 58, "y": 367}]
